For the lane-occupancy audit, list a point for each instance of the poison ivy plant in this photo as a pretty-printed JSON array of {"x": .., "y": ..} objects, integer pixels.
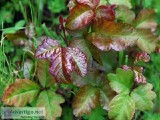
[{"x": 97, "y": 63}]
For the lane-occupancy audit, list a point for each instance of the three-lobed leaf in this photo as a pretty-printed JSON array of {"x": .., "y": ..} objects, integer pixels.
[
  {"x": 51, "y": 101},
  {"x": 122, "y": 81},
  {"x": 122, "y": 107},
  {"x": 85, "y": 100},
  {"x": 63, "y": 60},
  {"x": 21, "y": 92},
  {"x": 143, "y": 96}
]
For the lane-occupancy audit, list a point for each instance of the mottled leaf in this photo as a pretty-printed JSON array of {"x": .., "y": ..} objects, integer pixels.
[
  {"x": 110, "y": 35},
  {"x": 92, "y": 3},
  {"x": 122, "y": 107},
  {"x": 124, "y": 14},
  {"x": 65, "y": 61},
  {"x": 146, "y": 19},
  {"x": 146, "y": 41},
  {"x": 106, "y": 95},
  {"x": 143, "y": 96},
  {"x": 72, "y": 4},
  {"x": 91, "y": 78},
  {"x": 20, "y": 93},
  {"x": 139, "y": 77},
  {"x": 80, "y": 16},
  {"x": 142, "y": 57},
  {"x": 105, "y": 12},
  {"x": 121, "y": 2},
  {"x": 86, "y": 99},
  {"x": 47, "y": 48},
  {"x": 122, "y": 81},
  {"x": 51, "y": 101},
  {"x": 45, "y": 78},
  {"x": 27, "y": 68},
  {"x": 80, "y": 43}
]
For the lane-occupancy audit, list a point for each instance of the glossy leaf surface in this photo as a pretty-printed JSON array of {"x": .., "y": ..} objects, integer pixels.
[
  {"x": 85, "y": 100},
  {"x": 80, "y": 16},
  {"x": 122, "y": 107},
  {"x": 110, "y": 35},
  {"x": 92, "y": 3},
  {"x": 20, "y": 93},
  {"x": 122, "y": 81},
  {"x": 65, "y": 61},
  {"x": 143, "y": 96},
  {"x": 47, "y": 48},
  {"x": 105, "y": 12},
  {"x": 51, "y": 101}
]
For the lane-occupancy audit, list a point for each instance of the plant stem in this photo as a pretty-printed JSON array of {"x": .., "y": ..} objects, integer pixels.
[{"x": 121, "y": 54}]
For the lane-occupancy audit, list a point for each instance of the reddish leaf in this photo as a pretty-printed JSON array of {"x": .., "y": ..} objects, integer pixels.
[
  {"x": 110, "y": 35},
  {"x": 142, "y": 56},
  {"x": 138, "y": 73},
  {"x": 21, "y": 92},
  {"x": 47, "y": 48},
  {"x": 105, "y": 12},
  {"x": 86, "y": 99},
  {"x": 92, "y": 3},
  {"x": 80, "y": 43},
  {"x": 139, "y": 78},
  {"x": 80, "y": 16},
  {"x": 65, "y": 61},
  {"x": 71, "y": 4},
  {"x": 61, "y": 66}
]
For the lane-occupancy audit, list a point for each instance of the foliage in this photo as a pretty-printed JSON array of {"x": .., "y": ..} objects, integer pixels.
[{"x": 99, "y": 62}]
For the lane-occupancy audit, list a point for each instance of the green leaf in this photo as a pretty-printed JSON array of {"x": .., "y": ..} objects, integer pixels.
[
  {"x": 97, "y": 114},
  {"x": 45, "y": 78},
  {"x": 124, "y": 14},
  {"x": 106, "y": 95},
  {"x": 146, "y": 19},
  {"x": 121, "y": 2},
  {"x": 122, "y": 81},
  {"x": 122, "y": 107},
  {"x": 20, "y": 23},
  {"x": 51, "y": 101},
  {"x": 86, "y": 99},
  {"x": 56, "y": 6},
  {"x": 146, "y": 41},
  {"x": 21, "y": 92},
  {"x": 143, "y": 96}
]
